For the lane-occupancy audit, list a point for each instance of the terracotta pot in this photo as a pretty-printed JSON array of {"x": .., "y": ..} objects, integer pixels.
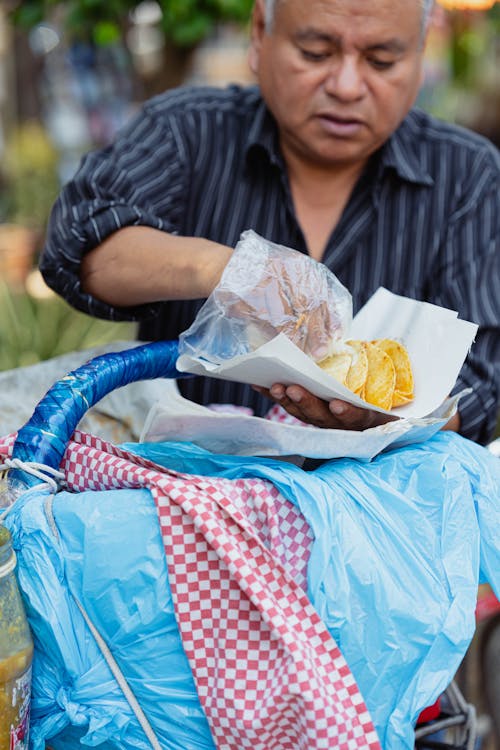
[{"x": 17, "y": 251}]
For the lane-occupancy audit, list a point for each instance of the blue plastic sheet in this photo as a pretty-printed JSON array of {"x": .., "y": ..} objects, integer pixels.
[
  {"x": 399, "y": 547},
  {"x": 108, "y": 554},
  {"x": 401, "y": 544}
]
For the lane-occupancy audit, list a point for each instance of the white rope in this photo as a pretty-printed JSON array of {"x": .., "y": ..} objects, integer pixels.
[
  {"x": 106, "y": 652},
  {"x": 49, "y": 512},
  {"x": 46, "y": 474},
  {"x": 122, "y": 682}
]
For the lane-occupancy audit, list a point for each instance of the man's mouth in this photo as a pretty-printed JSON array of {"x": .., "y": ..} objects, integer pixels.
[{"x": 341, "y": 126}]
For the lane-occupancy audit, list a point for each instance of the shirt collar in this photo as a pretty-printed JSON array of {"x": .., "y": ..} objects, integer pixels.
[
  {"x": 398, "y": 153},
  {"x": 263, "y": 135}
]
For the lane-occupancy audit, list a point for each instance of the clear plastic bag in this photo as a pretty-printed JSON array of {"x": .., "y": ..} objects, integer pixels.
[{"x": 267, "y": 289}]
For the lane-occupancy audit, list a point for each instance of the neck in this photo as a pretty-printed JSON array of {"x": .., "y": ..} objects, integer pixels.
[
  {"x": 319, "y": 193},
  {"x": 316, "y": 175}
]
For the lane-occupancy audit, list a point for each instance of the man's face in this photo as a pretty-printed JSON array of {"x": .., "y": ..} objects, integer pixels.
[{"x": 338, "y": 75}]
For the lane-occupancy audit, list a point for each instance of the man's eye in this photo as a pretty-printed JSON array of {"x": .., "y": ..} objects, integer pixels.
[
  {"x": 313, "y": 56},
  {"x": 380, "y": 64}
]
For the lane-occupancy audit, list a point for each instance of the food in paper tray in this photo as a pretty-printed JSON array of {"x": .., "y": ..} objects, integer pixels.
[{"x": 377, "y": 371}]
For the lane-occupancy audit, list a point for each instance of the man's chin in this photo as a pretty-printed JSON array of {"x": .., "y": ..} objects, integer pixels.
[
  {"x": 343, "y": 155},
  {"x": 326, "y": 150}
]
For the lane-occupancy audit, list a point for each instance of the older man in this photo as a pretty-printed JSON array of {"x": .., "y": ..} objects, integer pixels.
[{"x": 327, "y": 156}]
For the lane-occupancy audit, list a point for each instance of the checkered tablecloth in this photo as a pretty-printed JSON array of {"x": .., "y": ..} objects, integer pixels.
[{"x": 268, "y": 674}]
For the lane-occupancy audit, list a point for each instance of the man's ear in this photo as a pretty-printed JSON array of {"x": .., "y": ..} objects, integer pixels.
[{"x": 258, "y": 29}]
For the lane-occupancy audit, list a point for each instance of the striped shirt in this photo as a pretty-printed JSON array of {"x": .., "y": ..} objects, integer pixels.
[{"x": 422, "y": 220}]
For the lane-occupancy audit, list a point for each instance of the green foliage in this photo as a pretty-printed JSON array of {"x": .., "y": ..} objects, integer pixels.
[
  {"x": 30, "y": 176},
  {"x": 185, "y": 22},
  {"x": 33, "y": 330}
]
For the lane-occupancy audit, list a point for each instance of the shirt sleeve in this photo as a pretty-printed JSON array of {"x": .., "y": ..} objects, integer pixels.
[
  {"x": 469, "y": 282},
  {"x": 139, "y": 180}
]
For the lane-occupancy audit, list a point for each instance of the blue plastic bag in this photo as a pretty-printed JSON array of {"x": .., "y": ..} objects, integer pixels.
[
  {"x": 399, "y": 544},
  {"x": 103, "y": 549}
]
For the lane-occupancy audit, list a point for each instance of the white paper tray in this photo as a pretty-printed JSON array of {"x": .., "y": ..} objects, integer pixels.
[
  {"x": 178, "y": 419},
  {"x": 437, "y": 342}
]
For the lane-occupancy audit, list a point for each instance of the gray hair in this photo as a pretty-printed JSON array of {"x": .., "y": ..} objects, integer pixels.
[{"x": 427, "y": 6}]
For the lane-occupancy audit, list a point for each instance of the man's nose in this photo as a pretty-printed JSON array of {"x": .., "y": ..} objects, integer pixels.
[{"x": 345, "y": 80}]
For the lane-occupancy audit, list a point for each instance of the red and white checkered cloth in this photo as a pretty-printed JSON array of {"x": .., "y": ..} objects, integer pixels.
[
  {"x": 277, "y": 414},
  {"x": 268, "y": 674}
]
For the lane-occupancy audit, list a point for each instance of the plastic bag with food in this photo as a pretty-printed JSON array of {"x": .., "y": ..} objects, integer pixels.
[{"x": 267, "y": 289}]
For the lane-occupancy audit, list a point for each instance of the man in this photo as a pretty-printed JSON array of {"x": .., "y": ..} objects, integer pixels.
[{"x": 328, "y": 158}]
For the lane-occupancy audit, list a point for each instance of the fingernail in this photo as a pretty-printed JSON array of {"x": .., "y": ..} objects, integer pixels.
[
  {"x": 293, "y": 395},
  {"x": 337, "y": 407},
  {"x": 320, "y": 353},
  {"x": 277, "y": 392}
]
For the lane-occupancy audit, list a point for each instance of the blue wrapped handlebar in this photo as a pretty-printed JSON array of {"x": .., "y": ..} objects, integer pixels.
[{"x": 44, "y": 438}]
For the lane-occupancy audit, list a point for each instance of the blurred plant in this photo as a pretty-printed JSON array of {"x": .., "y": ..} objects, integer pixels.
[
  {"x": 469, "y": 44},
  {"x": 184, "y": 22},
  {"x": 30, "y": 180},
  {"x": 33, "y": 329}
]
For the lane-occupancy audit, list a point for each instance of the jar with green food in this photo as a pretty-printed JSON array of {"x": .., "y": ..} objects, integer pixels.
[{"x": 16, "y": 654}]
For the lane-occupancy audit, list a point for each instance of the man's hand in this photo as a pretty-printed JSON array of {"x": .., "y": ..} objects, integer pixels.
[
  {"x": 334, "y": 415},
  {"x": 267, "y": 289}
]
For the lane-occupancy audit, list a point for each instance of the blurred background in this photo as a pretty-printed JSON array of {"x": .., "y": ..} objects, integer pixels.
[{"x": 71, "y": 73}]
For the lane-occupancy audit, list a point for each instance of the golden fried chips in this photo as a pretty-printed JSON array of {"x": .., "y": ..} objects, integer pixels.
[
  {"x": 403, "y": 389},
  {"x": 378, "y": 371}
]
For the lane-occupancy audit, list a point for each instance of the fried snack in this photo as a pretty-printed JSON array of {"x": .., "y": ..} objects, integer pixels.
[
  {"x": 381, "y": 380},
  {"x": 358, "y": 371},
  {"x": 377, "y": 371},
  {"x": 337, "y": 365},
  {"x": 403, "y": 392},
  {"x": 400, "y": 400}
]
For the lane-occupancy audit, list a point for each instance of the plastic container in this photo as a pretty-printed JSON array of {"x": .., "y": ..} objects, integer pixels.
[{"x": 16, "y": 654}]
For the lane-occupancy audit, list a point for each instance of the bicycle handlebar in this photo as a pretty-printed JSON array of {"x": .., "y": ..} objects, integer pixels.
[{"x": 45, "y": 436}]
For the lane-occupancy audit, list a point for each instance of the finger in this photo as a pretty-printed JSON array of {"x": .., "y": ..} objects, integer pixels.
[
  {"x": 275, "y": 393},
  {"x": 303, "y": 405},
  {"x": 356, "y": 418},
  {"x": 318, "y": 341},
  {"x": 260, "y": 389},
  {"x": 333, "y": 415},
  {"x": 278, "y": 391},
  {"x": 307, "y": 407},
  {"x": 317, "y": 345}
]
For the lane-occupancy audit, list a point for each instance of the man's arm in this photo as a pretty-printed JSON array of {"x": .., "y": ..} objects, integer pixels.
[
  {"x": 139, "y": 265},
  {"x": 113, "y": 230}
]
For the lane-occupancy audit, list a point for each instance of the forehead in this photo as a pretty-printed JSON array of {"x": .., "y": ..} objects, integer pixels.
[{"x": 352, "y": 17}]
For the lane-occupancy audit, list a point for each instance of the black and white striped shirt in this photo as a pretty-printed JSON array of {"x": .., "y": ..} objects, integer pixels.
[{"x": 423, "y": 220}]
